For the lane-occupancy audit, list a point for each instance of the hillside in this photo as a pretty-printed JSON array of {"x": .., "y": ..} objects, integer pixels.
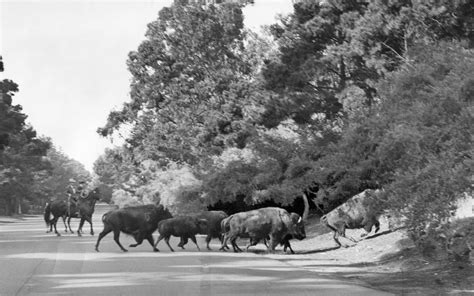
[{"x": 387, "y": 261}]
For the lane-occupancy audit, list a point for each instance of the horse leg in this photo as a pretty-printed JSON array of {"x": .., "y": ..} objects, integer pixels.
[
  {"x": 55, "y": 220},
  {"x": 89, "y": 219},
  {"x": 81, "y": 223},
  {"x": 69, "y": 224},
  {"x": 64, "y": 221}
]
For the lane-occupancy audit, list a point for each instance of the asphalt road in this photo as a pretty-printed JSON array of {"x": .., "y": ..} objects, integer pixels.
[{"x": 33, "y": 262}]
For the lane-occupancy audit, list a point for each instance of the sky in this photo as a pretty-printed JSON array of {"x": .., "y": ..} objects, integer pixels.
[{"x": 69, "y": 59}]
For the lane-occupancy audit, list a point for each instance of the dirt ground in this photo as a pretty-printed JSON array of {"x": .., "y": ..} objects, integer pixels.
[{"x": 387, "y": 261}]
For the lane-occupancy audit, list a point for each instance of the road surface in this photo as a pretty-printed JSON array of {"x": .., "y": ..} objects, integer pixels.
[{"x": 33, "y": 262}]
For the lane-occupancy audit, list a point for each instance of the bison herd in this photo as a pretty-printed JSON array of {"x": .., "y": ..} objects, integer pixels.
[
  {"x": 273, "y": 224},
  {"x": 270, "y": 225}
]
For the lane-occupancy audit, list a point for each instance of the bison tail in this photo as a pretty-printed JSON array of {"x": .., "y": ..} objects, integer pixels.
[
  {"x": 225, "y": 227},
  {"x": 47, "y": 213},
  {"x": 104, "y": 216},
  {"x": 324, "y": 219}
]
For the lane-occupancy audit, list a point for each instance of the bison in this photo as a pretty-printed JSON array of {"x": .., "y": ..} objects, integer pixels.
[
  {"x": 357, "y": 212},
  {"x": 138, "y": 221},
  {"x": 184, "y": 227},
  {"x": 213, "y": 230},
  {"x": 272, "y": 222}
]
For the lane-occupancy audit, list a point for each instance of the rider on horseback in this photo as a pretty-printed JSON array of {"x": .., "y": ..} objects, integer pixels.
[{"x": 74, "y": 193}]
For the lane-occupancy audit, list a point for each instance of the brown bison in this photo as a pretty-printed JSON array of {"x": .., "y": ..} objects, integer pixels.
[
  {"x": 272, "y": 222},
  {"x": 138, "y": 221},
  {"x": 184, "y": 227},
  {"x": 357, "y": 212}
]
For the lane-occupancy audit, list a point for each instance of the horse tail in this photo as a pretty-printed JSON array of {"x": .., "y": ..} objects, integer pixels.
[{"x": 47, "y": 213}]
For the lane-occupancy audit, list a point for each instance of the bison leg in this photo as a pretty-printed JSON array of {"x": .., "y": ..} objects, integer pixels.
[
  {"x": 193, "y": 238},
  {"x": 116, "y": 239},
  {"x": 252, "y": 242},
  {"x": 183, "y": 241},
  {"x": 208, "y": 240},
  {"x": 335, "y": 237},
  {"x": 368, "y": 227},
  {"x": 224, "y": 243},
  {"x": 342, "y": 232},
  {"x": 377, "y": 226},
  {"x": 274, "y": 241},
  {"x": 157, "y": 241},
  {"x": 287, "y": 245},
  {"x": 104, "y": 232},
  {"x": 223, "y": 247},
  {"x": 232, "y": 239},
  {"x": 350, "y": 238},
  {"x": 167, "y": 241},
  {"x": 265, "y": 242},
  {"x": 339, "y": 230},
  {"x": 234, "y": 245},
  {"x": 139, "y": 239},
  {"x": 149, "y": 238}
]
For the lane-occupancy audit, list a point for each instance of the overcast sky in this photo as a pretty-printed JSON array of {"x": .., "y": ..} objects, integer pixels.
[{"x": 68, "y": 58}]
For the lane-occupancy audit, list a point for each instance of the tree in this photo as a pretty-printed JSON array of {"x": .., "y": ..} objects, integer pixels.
[
  {"x": 64, "y": 172},
  {"x": 188, "y": 90},
  {"x": 333, "y": 52},
  {"x": 21, "y": 152},
  {"x": 416, "y": 144}
]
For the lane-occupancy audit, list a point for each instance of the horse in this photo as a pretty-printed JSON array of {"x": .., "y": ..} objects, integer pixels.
[{"x": 83, "y": 208}]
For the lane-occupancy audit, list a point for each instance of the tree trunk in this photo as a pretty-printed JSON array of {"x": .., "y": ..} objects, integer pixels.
[{"x": 306, "y": 207}]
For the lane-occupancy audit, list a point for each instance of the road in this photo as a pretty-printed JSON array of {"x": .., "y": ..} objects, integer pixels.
[{"x": 33, "y": 262}]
